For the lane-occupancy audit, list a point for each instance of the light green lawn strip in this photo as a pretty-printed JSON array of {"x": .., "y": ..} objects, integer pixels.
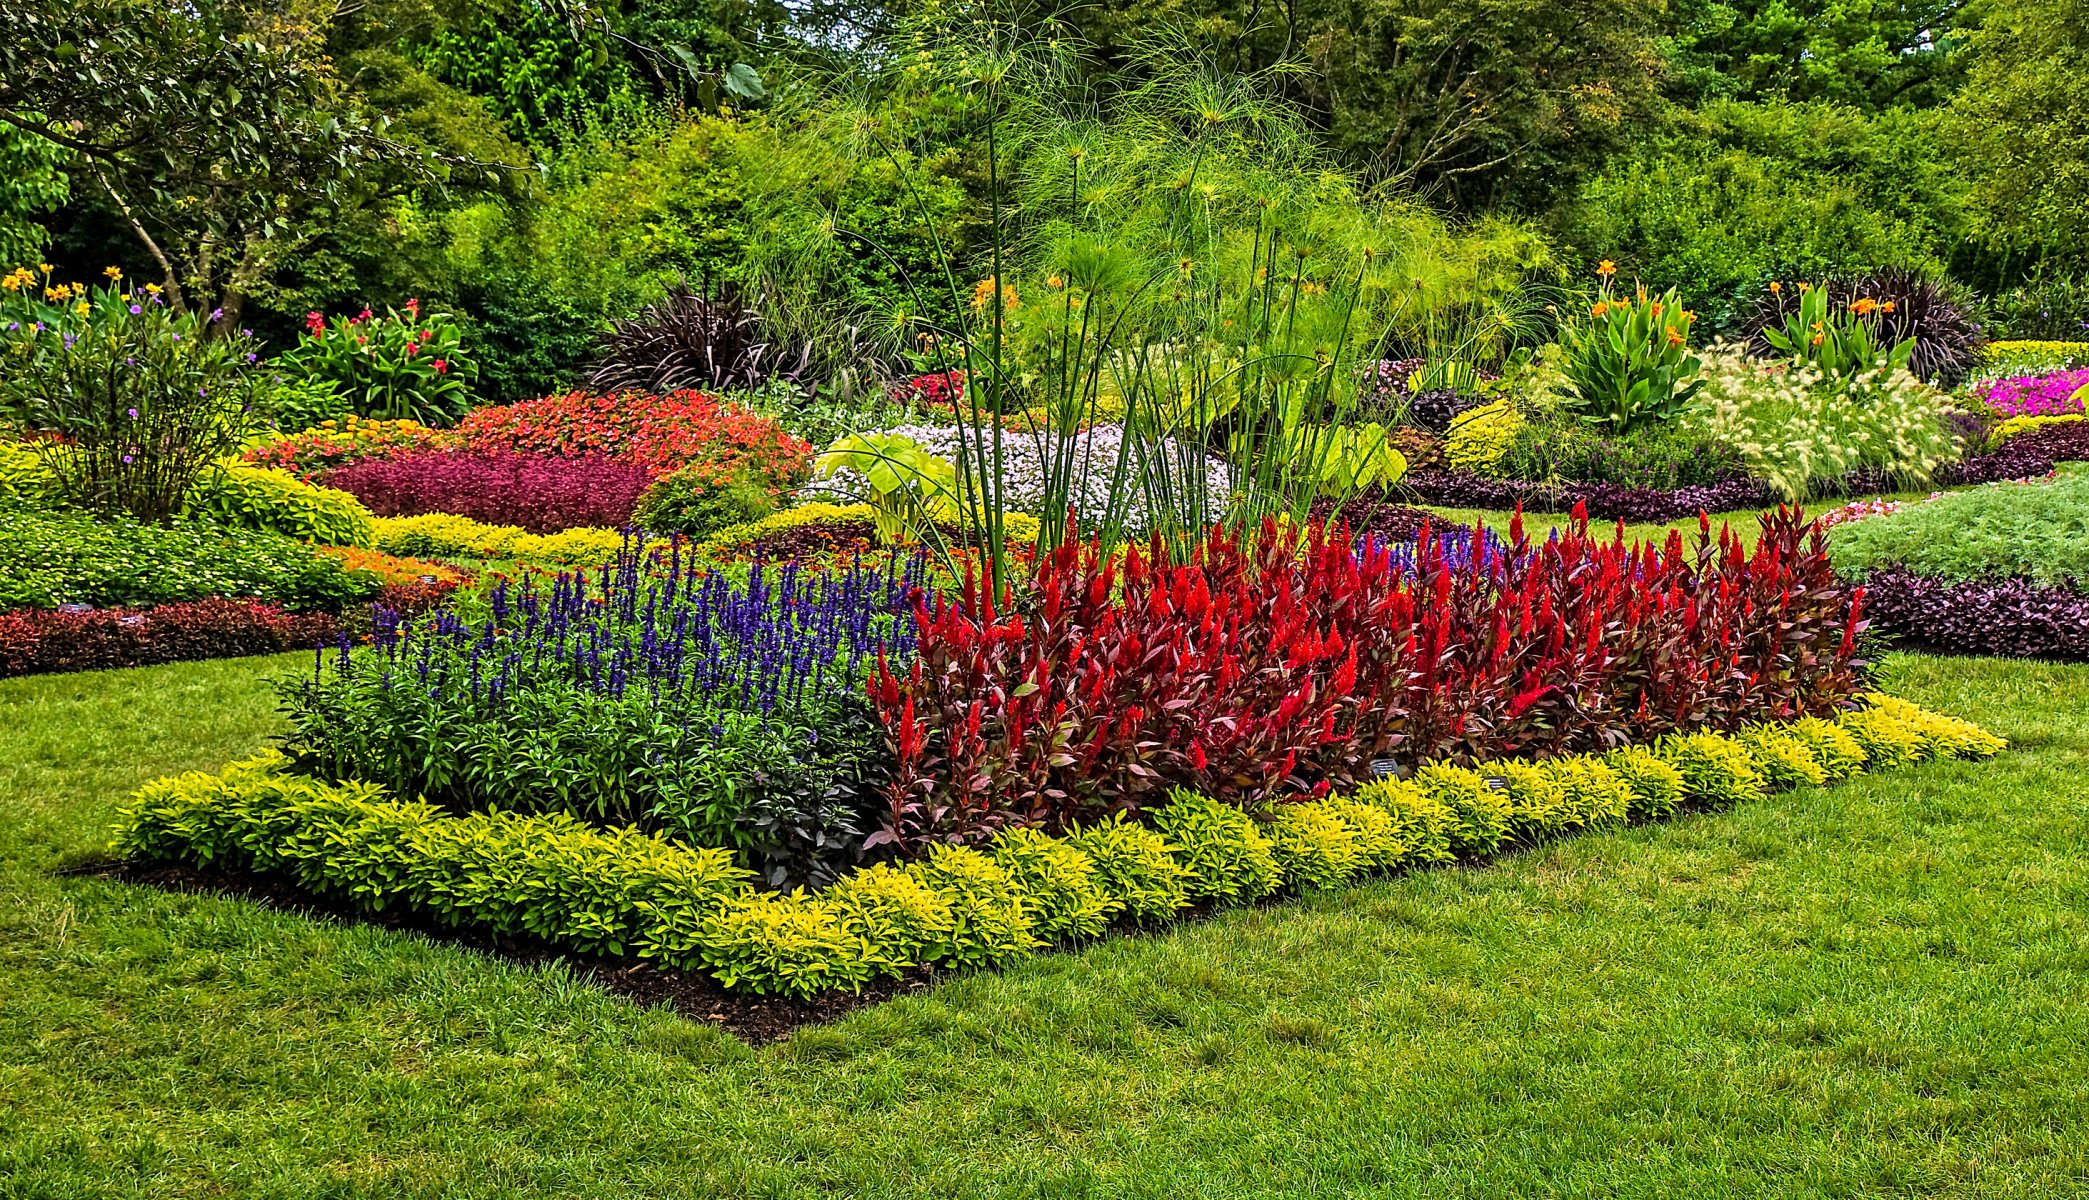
[{"x": 1872, "y": 989}]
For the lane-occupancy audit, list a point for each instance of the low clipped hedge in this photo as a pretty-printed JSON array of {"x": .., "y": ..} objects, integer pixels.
[
  {"x": 617, "y": 891},
  {"x": 443, "y": 535}
]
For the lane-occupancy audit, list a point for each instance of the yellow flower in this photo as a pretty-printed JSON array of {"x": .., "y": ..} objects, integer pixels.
[
  {"x": 1864, "y": 307},
  {"x": 1598, "y": 308},
  {"x": 83, "y": 308},
  {"x": 1775, "y": 287},
  {"x": 1657, "y": 308},
  {"x": 1818, "y": 337},
  {"x": 153, "y": 288},
  {"x": 1053, "y": 281},
  {"x": 1887, "y": 307},
  {"x": 112, "y": 272},
  {"x": 1675, "y": 338},
  {"x": 1606, "y": 268},
  {"x": 46, "y": 268}
]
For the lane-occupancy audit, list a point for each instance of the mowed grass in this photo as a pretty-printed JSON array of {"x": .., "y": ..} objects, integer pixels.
[{"x": 1871, "y": 990}]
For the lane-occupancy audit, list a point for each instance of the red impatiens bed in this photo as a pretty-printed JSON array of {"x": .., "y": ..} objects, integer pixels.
[{"x": 1295, "y": 664}]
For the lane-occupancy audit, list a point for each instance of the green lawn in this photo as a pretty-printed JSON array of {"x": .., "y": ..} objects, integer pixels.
[{"x": 1875, "y": 989}]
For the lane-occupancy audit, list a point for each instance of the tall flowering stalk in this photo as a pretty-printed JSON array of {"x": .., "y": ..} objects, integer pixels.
[{"x": 651, "y": 691}]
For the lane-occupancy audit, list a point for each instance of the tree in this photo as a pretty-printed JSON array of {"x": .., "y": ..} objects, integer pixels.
[
  {"x": 214, "y": 130},
  {"x": 30, "y": 184},
  {"x": 2022, "y": 126},
  {"x": 1871, "y": 54}
]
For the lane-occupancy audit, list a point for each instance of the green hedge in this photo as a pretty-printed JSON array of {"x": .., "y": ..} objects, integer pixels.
[
  {"x": 231, "y": 493},
  {"x": 617, "y": 891},
  {"x": 49, "y": 558}
]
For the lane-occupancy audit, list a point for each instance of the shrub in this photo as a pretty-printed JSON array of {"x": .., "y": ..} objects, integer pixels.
[
  {"x": 411, "y": 367},
  {"x": 1998, "y": 359},
  {"x": 51, "y": 558},
  {"x": 697, "y": 503},
  {"x": 1479, "y": 437},
  {"x": 1888, "y": 743},
  {"x": 1223, "y": 853},
  {"x": 2013, "y": 617},
  {"x": 1656, "y": 785},
  {"x": 40, "y": 641},
  {"x": 1801, "y": 433},
  {"x": 2053, "y": 439},
  {"x": 246, "y": 497},
  {"x": 1483, "y": 815},
  {"x": 1315, "y": 848},
  {"x": 690, "y": 339},
  {"x": 1785, "y": 761},
  {"x": 312, "y": 453},
  {"x": 782, "y": 946},
  {"x": 901, "y": 921},
  {"x": 990, "y": 921},
  {"x": 2037, "y": 531},
  {"x": 618, "y": 891},
  {"x": 537, "y": 493},
  {"x": 1537, "y": 801},
  {"x": 1658, "y": 457},
  {"x": 130, "y": 400},
  {"x": 1715, "y": 770},
  {"x": 1833, "y": 748},
  {"x": 1908, "y": 306},
  {"x": 1066, "y": 898},
  {"x": 1377, "y": 836},
  {"x": 1628, "y": 360},
  {"x": 1422, "y": 825},
  {"x": 661, "y": 433},
  {"x": 1602, "y": 501},
  {"x": 442, "y": 535},
  {"x": 1254, "y": 675},
  {"x": 1593, "y": 793},
  {"x": 1135, "y": 867}
]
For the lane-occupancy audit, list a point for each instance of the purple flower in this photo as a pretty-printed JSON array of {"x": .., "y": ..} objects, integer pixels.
[
  {"x": 216, "y": 315},
  {"x": 126, "y": 458},
  {"x": 136, "y": 309},
  {"x": 134, "y": 413},
  {"x": 2049, "y": 395}
]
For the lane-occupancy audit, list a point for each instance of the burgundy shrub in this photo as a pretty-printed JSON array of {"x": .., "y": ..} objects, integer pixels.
[
  {"x": 540, "y": 493},
  {"x": 1257, "y": 672},
  {"x": 1605, "y": 501},
  {"x": 2015, "y": 618},
  {"x": 2062, "y": 441},
  {"x": 43, "y": 641}
]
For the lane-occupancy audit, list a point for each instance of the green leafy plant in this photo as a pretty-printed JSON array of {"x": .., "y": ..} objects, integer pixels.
[
  {"x": 1657, "y": 787},
  {"x": 1838, "y": 340},
  {"x": 989, "y": 922},
  {"x": 1066, "y": 896},
  {"x": 411, "y": 367},
  {"x": 49, "y": 558},
  {"x": 128, "y": 399},
  {"x": 2036, "y": 530},
  {"x": 1716, "y": 770},
  {"x": 1135, "y": 867},
  {"x": 1314, "y": 846},
  {"x": 910, "y": 489},
  {"x": 697, "y": 502},
  {"x": 1628, "y": 360},
  {"x": 1225, "y": 854}
]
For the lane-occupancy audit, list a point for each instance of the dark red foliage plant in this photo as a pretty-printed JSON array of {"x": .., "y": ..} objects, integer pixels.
[
  {"x": 539, "y": 492},
  {"x": 1284, "y": 667},
  {"x": 40, "y": 641}
]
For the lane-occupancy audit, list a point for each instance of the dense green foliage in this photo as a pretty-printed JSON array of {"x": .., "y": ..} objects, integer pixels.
[
  {"x": 50, "y": 558},
  {"x": 2037, "y": 530}
]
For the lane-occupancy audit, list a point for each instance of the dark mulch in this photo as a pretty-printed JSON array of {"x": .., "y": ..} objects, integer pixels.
[{"x": 756, "y": 1019}]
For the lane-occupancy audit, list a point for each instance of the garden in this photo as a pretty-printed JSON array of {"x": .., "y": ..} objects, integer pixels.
[{"x": 600, "y": 600}]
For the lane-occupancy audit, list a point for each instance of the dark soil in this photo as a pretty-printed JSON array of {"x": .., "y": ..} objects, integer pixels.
[{"x": 689, "y": 994}]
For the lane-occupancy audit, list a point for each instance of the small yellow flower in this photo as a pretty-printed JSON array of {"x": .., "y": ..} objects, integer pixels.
[
  {"x": 112, "y": 272},
  {"x": 1606, "y": 268},
  {"x": 46, "y": 268},
  {"x": 1053, "y": 281},
  {"x": 1776, "y": 287},
  {"x": 153, "y": 288},
  {"x": 1598, "y": 308},
  {"x": 1864, "y": 307},
  {"x": 1657, "y": 308},
  {"x": 1675, "y": 337},
  {"x": 83, "y": 308},
  {"x": 1887, "y": 307}
]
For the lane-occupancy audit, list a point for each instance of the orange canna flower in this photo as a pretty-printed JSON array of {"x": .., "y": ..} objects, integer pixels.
[
  {"x": 1598, "y": 308},
  {"x": 1864, "y": 306},
  {"x": 1675, "y": 338},
  {"x": 1606, "y": 268},
  {"x": 1776, "y": 287},
  {"x": 1887, "y": 307}
]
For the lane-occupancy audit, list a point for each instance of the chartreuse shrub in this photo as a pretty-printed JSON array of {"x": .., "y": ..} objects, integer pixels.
[
  {"x": 1655, "y": 784},
  {"x": 1223, "y": 850},
  {"x": 1137, "y": 867},
  {"x": 440, "y": 535},
  {"x": 620, "y": 891},
  {"x": 1066, "y": 893},
  {"x": 230, "y": 493}
]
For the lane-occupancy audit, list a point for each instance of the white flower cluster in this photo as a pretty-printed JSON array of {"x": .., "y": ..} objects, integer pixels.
[{"x": 1103, "y": 475}]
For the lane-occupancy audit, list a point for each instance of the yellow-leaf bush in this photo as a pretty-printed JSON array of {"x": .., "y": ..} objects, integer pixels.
[
  {"x": 619, "y": 891},
  {"x": 441, "y": 535}
]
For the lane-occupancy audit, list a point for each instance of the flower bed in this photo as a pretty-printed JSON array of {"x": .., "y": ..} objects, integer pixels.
[
  {"x": 50, "y": 558},
  {"x": 442, "y": 535},
  {"x": 75, "y": 638},
  {"x": 538, "y": 493},
  {"x": 2050, "y": 394},
  {"x": 662, "y": 433},
  {"x": 2036, "y": 530},
  {"x": 619, "y": 891},
  {"x": 331, "y": 444},
  {"x": 1604, "y": 501},
  {"x": 657, "y": 693},
  {"x": 2016, "y": 618},
  {"x": 1251, "y": 675}
]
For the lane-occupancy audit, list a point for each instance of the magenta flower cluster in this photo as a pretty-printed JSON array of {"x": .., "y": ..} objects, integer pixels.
[
  {"x": 540, "y": 493},
  {"x": 2050, "y": 395}
]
